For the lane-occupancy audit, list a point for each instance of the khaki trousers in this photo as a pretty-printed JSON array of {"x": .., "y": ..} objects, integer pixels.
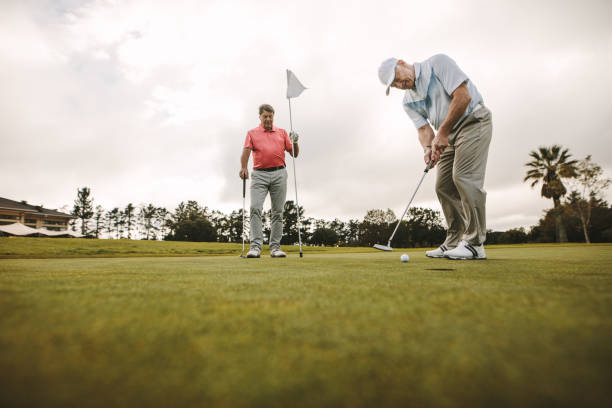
[
  {"x": 460, "y": 179},
  {"x": 263, "y": 182}
]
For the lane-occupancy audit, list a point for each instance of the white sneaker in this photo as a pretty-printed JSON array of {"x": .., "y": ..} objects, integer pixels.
[
  {"x": 466, "y": 251},
  {"x": 277, "y": 253},
  {"x": 438, "y": 252},
  {"x": 253, "y": 253}
]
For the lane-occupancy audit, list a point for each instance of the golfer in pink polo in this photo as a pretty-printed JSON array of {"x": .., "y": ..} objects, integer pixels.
[{"x": 268, "y": 144}]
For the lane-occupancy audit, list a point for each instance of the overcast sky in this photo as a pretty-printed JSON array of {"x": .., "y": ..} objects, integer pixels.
[{"x": 150, "y": 101}]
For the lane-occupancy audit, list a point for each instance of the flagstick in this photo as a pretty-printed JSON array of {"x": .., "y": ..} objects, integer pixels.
[{"x": 297, "y": 205}]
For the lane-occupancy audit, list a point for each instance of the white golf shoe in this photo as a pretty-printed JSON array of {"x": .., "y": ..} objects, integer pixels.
[
  {"x": 253, "y": 253},
  {"x": 438, "y": 252},
  {"x": 466, "y": 251},
  {"x": 277, "y": 253}
]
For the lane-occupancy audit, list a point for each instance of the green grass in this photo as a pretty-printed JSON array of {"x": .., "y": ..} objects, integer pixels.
[
  {"x": 43, "y": 248},
  {"x": 531, "y": 326},
  {"x": 38, "y": 248}
]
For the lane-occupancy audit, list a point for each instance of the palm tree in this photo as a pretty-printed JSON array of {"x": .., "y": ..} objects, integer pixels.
[{"x": 549, "y": 166}]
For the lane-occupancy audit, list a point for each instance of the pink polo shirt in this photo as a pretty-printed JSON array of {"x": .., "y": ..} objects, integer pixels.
[{"x": 268, "y": 147}]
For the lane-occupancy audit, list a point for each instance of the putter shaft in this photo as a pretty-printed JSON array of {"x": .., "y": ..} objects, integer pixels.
[{"x": 427, "y": 168}]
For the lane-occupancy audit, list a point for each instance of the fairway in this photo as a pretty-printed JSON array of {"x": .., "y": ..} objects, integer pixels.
[{"x": 531, "y": 326}]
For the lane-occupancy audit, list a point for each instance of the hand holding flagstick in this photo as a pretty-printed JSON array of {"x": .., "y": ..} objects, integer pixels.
[{"x": 294, "y": 89}]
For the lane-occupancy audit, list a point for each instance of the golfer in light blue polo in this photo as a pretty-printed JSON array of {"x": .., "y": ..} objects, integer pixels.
[{"x": 439, "y": 94}]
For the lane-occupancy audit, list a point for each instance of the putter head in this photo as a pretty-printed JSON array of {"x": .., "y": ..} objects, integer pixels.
[{"x": 383, "y": 247}]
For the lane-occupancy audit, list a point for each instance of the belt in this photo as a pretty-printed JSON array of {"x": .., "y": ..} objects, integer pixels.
[
  {"x": 458, "y": 124},
  {"x": 271, "y": 168}
]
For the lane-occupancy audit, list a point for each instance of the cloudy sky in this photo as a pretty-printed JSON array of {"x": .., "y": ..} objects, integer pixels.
[{"x": 149, "y": 101}]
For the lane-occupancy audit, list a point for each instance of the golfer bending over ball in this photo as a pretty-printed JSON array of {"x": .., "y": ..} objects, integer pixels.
[
  {"x": 439, "y": 94},
  {"x": 268, "y": 144}
]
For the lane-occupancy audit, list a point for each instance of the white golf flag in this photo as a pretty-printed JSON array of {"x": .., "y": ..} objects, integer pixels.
[{"x": 294, "y": 86}]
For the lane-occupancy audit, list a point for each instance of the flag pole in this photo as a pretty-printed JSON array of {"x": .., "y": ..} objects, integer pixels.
[{"x": 297, "y": 205}]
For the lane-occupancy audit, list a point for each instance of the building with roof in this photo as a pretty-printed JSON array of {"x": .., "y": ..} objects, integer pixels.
[{"x": 33, "y": 216}]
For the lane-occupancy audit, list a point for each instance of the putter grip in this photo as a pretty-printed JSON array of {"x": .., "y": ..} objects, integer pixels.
[
  {"x": 243, "y": 188},
  {"x": 429, "y": 165}
]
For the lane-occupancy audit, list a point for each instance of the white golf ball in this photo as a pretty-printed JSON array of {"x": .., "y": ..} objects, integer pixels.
[{"x": 405, "y": 258}]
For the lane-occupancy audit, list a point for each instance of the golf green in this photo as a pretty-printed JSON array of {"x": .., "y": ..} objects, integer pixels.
[{"x": 530, "y": 326}]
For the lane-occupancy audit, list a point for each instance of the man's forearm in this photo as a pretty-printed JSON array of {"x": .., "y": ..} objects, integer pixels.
[
  {"x": 426, "y": 135},
  {"x": 296, "y": 149},
  {"x": 459, "y": 103},
  {"x": 244, "y": 158}
]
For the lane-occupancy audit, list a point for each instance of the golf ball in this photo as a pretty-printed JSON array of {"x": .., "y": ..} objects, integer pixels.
[{"x": 405, "y": 258}]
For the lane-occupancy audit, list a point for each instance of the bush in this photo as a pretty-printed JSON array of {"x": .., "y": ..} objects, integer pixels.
[
  {"x": 198, "y": 230},
  {"x": 324, "y": 236},
  {"x": 514, "y": 236}
]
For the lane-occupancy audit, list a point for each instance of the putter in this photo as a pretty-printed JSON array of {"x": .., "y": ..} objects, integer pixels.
[
  {"x": 388, "y": 246},
  {"x": 243, "y": 201}
]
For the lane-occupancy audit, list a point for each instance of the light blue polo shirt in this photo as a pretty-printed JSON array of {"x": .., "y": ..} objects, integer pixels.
[{"x": 435, "y": 80}]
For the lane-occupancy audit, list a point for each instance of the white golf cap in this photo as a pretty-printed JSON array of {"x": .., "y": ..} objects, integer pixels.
[{"x": 386, "y": 72}]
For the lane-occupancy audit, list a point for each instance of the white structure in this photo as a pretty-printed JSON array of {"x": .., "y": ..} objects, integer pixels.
[
  {"x": 21, "y": 230},
  {"x": 34, "y": 216}
]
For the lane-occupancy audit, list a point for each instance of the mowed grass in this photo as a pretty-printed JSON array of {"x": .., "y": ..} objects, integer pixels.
[
  {"x": 531, "y": 326},
  {"x": 43, "y": 248},
  {"x": 38, "y": 248}
]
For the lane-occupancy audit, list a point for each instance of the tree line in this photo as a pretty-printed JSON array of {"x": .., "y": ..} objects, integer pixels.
[
  {"x": 191, "y": 221},
  {"x": 579, "y": 214}
]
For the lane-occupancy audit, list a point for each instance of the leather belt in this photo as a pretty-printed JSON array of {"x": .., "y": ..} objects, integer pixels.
[{"x": 271, "y": 168}]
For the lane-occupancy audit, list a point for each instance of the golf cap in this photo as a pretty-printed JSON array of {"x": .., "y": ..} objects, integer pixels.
[{"x": 386, "y": 72}]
